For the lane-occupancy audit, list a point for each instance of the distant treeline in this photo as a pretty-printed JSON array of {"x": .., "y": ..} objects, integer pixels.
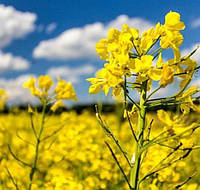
[{"x": 105, "y": 108}]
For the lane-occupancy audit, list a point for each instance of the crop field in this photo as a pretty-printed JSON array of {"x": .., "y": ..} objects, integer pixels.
[
  {"x": 75, "y": 156},
  {"x": 130, "y": 122}
]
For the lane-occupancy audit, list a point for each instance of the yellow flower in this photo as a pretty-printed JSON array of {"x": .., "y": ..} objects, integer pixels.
[
  {"x": 45, "y": 83},
  {"x": 65, "y": 90},
  {"x": 172, "y": 21},
  {"x": 113, "y": 34},
  {"x": 31, "y": 85},
  {"x": 189, "y": 92},
  {"x": 101, "y": 49},
  {"x": 143, "y": 64},
  {"x": 165, "y": 117},
  {"x": 30, "y": 110},
  {"x": 171, "y": 38},
  {"x": 94, "y": 89},
  {"x": 192, "y": 186},
  {"x": 155, "y": 74},
  {"x": 57, "y": 105},
  {"x": 167, "y": 76},
  {"x": 187, "y": 101},
  {"x": 3, "y": 98},
  {"x": 106, "y": 78},
  {"x": 149, "y": 37},
  {"x": 159, "y": 63}
]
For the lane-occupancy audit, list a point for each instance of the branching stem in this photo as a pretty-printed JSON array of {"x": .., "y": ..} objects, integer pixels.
[{"x": 34, "y": 166}]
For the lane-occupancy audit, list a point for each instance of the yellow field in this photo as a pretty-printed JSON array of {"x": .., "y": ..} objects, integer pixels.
[{"x": 73, "y": 155}]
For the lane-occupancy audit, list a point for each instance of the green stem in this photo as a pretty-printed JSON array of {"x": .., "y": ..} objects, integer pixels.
[
  {"x": 134, "y": 175},
  {"x": 34, "y": 166}
]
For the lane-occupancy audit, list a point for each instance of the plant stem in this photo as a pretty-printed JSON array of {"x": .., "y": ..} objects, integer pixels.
[
  {"x": 134, "y": 175},
  {"x": 34, "y": 166}
]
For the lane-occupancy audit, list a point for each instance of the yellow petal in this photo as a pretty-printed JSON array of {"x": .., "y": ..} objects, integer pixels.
[
  {"x": 94, "y": 89},
  {"x": 159, "y": 63},
  {"x": 155, "y": 74}
]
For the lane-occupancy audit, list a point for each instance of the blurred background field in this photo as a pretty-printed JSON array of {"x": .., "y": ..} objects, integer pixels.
[
  {"x": 57, "y": 38},
  {"x": 76, "y": 157}
]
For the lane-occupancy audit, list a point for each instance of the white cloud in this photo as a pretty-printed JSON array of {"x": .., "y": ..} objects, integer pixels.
[
  {"x": 11, "y": 62},
  {"x": 16, "y": 93},
  {"x": 79, "y": 43},
  {"x": 51, "y": 27},
  {"x": 14, "y": 24},
  {"x": 196, "y": 23},
  {"x": 71, "y": 74},
  {"x": 195, "y": 56}
]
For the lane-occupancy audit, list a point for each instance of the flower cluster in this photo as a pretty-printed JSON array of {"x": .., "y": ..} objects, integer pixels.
[
  {"x": 63, "y": 91},
  {"x": 129, "y": 54},
  {"x": 3, "y": 98}
]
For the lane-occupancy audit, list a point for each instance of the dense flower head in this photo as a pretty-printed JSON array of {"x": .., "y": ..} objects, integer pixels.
[
  {"x": 63, "y": 91},
  {"x": 129, "y": 54},
  {"x": 3, "y": 98},
  {"x": 45, "y": 83}
]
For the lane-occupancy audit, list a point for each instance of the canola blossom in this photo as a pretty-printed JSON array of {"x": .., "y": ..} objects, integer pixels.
[
  {"x": 3, "y": 98},
  {"x": 130, "y": 55},
  {"x": 135, "y": 61},
  {"x": 130, "y": 149},
  {"x": 63, "y": 91}
]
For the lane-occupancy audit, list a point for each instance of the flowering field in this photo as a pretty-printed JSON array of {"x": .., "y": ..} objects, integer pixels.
[
  {"x": 75, "y": 157},
  {"x": 130, "y": 148}
]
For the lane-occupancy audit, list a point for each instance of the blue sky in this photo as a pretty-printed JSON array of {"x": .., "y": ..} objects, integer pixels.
[{"x": 58, "y": 37}]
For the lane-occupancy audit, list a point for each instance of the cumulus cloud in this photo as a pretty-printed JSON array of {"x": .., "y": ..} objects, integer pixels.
[
  {"x": 16, "y": 93},
  {"x": 51, "y": 27},
  {"x": 11, "y": 62},
  {"x": 196, "y": 23},
  {"x": 14, "y": 24},
  {"x": 80, "y": 42},
  {"x": 71, "y": 74}
]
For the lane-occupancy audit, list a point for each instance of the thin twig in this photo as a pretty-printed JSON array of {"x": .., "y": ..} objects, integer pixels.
[
  {"x": 109, "y": 133},
  {"x": 147, "y": 138},
  {"x": 187, "y": 72},
  {"x": 115, "y": 158},
  {"x": 156, "y": 51},
  {"x": 175, "y": 149},
  {"x": 149, "y": 129},
  {"x": 125, "y": 104},
  {"x": 166, "y": 165},
  {"x": 153, "y": 44},
  {"x": 32, "y": 125},
  {"x": 188, "y": 179},
  {"x": 53, "y": 133},
  {"x": 16, "y": 158},
  {"x": 133, "y": 101},
  {"x": 153, "y": 93},
  {"x": 12, "y": 179},
  {"x": 17, "y": 134}
]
